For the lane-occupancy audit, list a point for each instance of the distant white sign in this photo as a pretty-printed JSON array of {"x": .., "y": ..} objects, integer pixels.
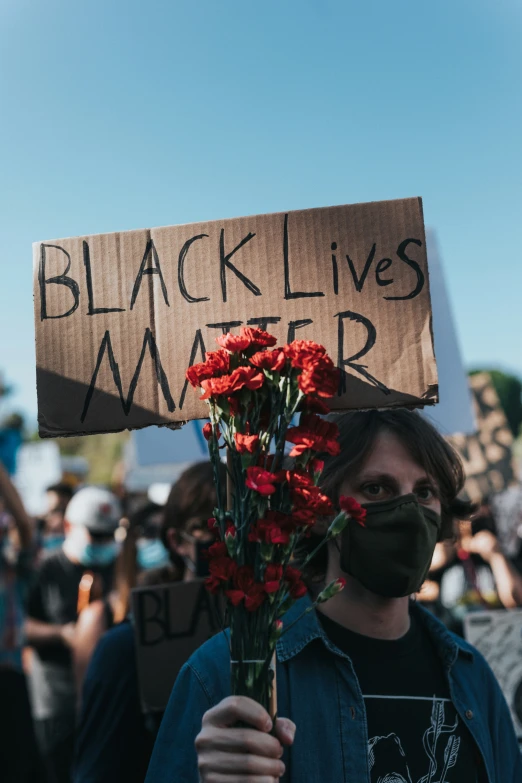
[
  {"x": 454, "y": 413},
  {"x": 159, "y": 454},
  {"x": 38, "y": 466}
]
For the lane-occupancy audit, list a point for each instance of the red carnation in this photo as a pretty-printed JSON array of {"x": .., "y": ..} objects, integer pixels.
[
  {"x": 207, "y": 431},
  {"x": 258, "y": 338},
  {"x": 302, "y": 352},
  {"x": 273, "y": 574},
  {"x": 303, "y": 517},
  {"x": 353, "y": 509},
  {"x": 294, "y": 579},
  {"x": 233, "y": 342},
  {"x": 260, "y": 480},
  {"x": 274, "y": 361},
  {"x": 246, "y": 589},
  {"x": 217, "y": 363},
  {"x": 314, "y": 433},
  {"x": 254, "y": 598},
  {"x": 248, "y": 377},
  {"x": 246, "y": 443},
  {"x": 244, "y": 578},
  {"x": 298, "y": 478},
  {"x": 275, "y": 528},
  {"x": 312, "y": 499},
  {"x": 319, "y": 377},
  {"x": 241, "y": 377},
  {"x": 223, "y": 567}
]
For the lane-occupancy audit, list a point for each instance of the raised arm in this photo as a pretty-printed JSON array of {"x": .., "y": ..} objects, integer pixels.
[{"x": 24, "y": 523}]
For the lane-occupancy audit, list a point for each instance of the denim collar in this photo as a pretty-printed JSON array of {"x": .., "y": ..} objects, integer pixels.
[{"x": 308, "y": 628}]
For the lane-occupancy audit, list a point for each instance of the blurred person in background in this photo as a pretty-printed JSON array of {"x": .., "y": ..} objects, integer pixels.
[
  {"x": 477, "y": 574},
  {"x": 115, "y": 738},
  {"x": 52, "y": 534},
  {"x": 142, "y": 550},
  {"x": 19, "y": 759},
  {"x": 81, "y": 570},
  {"x": 429, "y": 594},
  {"x": 507, "y": 510}
]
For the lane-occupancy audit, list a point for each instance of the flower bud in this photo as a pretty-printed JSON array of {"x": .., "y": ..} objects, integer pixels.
[
  {"x": 338, "y": 525},
  {"x": 330, "y": 590},
  {"x": 230, "y": 540}
]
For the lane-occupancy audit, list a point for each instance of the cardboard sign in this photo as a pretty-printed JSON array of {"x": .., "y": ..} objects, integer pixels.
[
  {"x": 498, "y": 636},
  {"x": 454, "y": 412},
  {"x": 120, "y": 317},
  {"x": 488, "y": 455},
  {"x": 170, "y": 622}
]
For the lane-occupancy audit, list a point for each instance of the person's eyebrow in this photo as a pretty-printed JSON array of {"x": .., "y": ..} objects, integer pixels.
[
  {"x": 376, "y": 478},
  {"x": 427, "y": 481}
]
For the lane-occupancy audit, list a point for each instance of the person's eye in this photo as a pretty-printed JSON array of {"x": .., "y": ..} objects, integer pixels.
[
  {"x": 426, "y": 494},
  {"x": 374, "y": 490}
]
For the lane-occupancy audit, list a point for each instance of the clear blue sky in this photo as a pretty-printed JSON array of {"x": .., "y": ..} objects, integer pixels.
[{"x": 120, "y": 114}]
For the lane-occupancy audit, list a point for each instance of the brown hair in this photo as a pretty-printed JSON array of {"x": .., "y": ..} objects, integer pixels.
[{"x": 357, "y": 434}]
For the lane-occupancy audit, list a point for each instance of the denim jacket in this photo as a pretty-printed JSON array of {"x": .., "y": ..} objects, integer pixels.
[{"x": 318, "y": 689}]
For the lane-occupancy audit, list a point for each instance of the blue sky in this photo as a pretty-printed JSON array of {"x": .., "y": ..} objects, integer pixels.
[{"x": 125, "y": 114}]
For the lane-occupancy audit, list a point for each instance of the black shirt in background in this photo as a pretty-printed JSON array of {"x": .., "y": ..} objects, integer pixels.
[
  {"x": 114, "y": 742},
  {"x": 414, "y": 732},
  {"x": 54, "y": 599}
]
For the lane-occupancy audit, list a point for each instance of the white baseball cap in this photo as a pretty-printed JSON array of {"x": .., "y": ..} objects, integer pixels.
[{"x": 95, "y": 508}]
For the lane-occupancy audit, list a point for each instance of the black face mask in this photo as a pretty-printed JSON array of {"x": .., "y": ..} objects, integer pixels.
[{"x": 391, "y": 555}]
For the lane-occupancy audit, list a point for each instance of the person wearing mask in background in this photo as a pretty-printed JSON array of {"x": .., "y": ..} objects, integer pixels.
[
  {"x": 52, "y": 533},
  {"x": 67, "y": 580},
  {"x": 378, "y": 687},
  {"x": 142, "y": 550},
  {"x": 115, "y": 738},
  {"x": 19, "y": 758},
  {"x": 478, "y": 575}
]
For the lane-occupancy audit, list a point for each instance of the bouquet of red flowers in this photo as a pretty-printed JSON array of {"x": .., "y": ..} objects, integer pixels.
[{"x": 253, "y": 391}]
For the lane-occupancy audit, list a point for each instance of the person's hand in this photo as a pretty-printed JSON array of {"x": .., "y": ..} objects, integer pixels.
[
  {"x": 227, "y": 754},
  {"x": 429, "y": 591},
  {"x": 67, "y": 633},
  {"x": 484, "y": 543}
]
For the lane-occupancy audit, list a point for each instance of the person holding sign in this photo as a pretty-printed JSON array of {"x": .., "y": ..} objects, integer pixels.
[
  {"x": 115, "y": 738},
  {"x": 372, "y": 687}
]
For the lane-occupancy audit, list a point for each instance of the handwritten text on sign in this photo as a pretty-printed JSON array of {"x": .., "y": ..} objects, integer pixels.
[{"x": 119, "y": 317}]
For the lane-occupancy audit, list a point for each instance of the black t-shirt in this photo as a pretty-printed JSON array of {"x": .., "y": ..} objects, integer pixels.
[
  {"x": 54, "y": 599},
  {"x": 414, "y": 732},
  {"x": 113, "y": 743}
]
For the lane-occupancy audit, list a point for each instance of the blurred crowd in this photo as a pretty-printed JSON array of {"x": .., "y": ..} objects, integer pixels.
[{"x": 70, "y": 708}]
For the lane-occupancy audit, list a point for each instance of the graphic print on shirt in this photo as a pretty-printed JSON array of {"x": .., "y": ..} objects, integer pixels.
[{"x": 388, "y": 761}]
